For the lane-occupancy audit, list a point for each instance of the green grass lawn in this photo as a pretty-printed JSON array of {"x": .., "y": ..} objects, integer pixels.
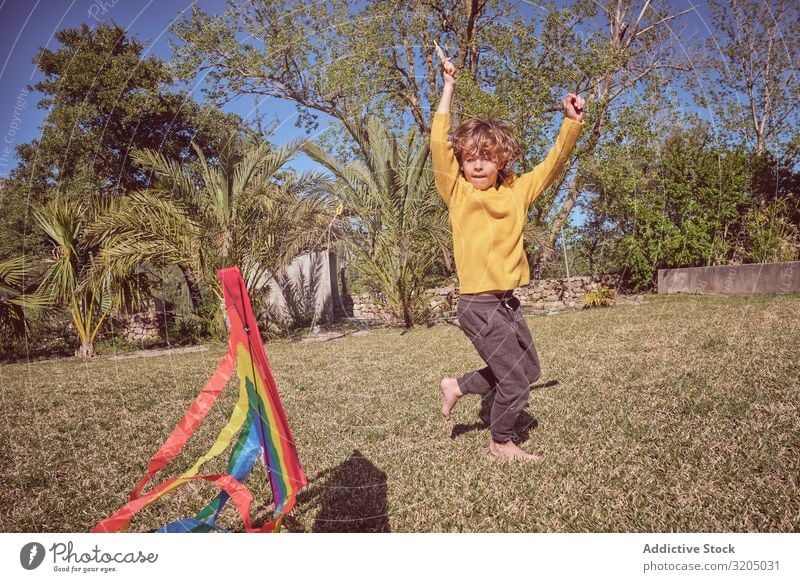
[{"x": 680, "y": 414}]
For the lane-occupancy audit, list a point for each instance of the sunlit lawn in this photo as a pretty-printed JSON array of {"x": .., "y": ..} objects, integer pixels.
[{"x": 680, "y": 414}]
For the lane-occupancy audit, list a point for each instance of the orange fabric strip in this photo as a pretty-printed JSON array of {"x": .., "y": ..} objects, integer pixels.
[{"x": 239, "y": 494}]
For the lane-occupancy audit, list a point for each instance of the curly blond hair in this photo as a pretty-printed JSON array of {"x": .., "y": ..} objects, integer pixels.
[{"x": 488, "y": 138}]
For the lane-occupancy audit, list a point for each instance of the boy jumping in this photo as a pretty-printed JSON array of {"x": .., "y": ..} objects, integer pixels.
[{"x": 488, "y": 206}]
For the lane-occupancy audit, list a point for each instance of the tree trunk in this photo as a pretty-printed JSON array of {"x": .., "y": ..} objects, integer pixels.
[
  {"x": 226, "y": 320},
  {"x": 194, "y": 289},
  {"x": 407, "y": 316},
  {"x": 561, "y": 218},
  {"x": 86, "y": 350}
]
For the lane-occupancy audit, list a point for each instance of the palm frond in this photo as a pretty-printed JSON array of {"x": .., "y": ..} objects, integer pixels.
[
  {"x": 170, "y": 171},
  {"x": 399, "y": 226},
  {"x": 271, "y": 162},
  {"x": 18, "y": 296}
]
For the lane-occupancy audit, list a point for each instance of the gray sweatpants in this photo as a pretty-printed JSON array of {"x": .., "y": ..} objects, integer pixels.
[{"x": 495, "y": 326}]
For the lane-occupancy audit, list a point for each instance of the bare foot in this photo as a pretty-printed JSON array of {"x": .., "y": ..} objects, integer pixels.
[
  {"x": 450, "y": 395},
  {"x": 509, "y": 450}
]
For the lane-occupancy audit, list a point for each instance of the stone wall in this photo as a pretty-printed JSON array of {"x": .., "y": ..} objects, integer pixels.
[
  {"x": 542, "y": 296},
  {"x": 144, "y": 326}
]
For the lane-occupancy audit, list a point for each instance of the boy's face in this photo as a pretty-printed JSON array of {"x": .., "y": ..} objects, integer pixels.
[{"x": 480, "y": 172}]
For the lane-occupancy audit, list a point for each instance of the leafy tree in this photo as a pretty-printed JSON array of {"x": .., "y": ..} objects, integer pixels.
[
  {"x": 769, "y": 236},
  {"x": 317, "y": 54},
  {"x": 775, "y": 183},
  {"x": 400, "y": 226},
  {"x": 748, "y": 81},
  {"x": 104, "y": 99},
  {"x": 628, "y": 44},
  {"x": 750, "y": 71},
  {"x": 661, "y": 200}
]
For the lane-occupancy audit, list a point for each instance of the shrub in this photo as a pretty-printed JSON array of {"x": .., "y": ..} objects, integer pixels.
[
  {"x": 600, "y": 297},
  {"x": 189, "y": 328},
  {"x": 771, "y": 236}
]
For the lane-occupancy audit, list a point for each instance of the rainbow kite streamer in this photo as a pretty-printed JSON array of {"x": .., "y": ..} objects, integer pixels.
[{"x": 259, "y": 419}]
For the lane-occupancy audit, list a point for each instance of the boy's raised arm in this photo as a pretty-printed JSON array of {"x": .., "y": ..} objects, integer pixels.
[
  {"x": 553, "y": 164},
  {"x": 445, "y": 165},
  {"x": 449, "y": 76}
]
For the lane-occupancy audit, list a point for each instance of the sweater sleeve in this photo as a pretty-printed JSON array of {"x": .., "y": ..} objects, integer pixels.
[
  {"x": 536, "y": 181},
  {"x": 445, "y": 165}
]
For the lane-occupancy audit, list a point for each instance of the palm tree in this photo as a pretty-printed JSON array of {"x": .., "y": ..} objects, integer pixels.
[
  {"x": 401, "y": 226},
  {"x": 242, "y": 210},
  {"x": 17, "y": 286},
  {"x": 67, "y": 280}
]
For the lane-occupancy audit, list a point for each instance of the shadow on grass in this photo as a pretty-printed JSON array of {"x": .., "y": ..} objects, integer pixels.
[
  {"x": 351, "y": 498},
  {"x": 524, "y": 425}
]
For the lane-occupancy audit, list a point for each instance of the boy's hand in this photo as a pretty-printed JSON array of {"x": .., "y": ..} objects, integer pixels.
[
  {"x": 574, "y": 106},
  {"x": 448, "y": 68},
  {"x": 449, "y": 72}
]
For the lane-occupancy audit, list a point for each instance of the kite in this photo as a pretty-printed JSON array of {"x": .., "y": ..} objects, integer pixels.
[{"x": 259, "y": 419}]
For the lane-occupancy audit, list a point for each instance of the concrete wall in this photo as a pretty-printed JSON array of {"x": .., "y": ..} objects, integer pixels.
[
  {"x": 732, "y": 279},
  {"x": 307, "y": 288}
]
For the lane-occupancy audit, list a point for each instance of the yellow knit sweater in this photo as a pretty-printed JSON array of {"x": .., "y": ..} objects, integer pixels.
[{"x": 487, "y": 225}]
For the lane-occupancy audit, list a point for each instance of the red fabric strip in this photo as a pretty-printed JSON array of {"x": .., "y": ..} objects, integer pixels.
[{"x": 190, "y": 421}]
